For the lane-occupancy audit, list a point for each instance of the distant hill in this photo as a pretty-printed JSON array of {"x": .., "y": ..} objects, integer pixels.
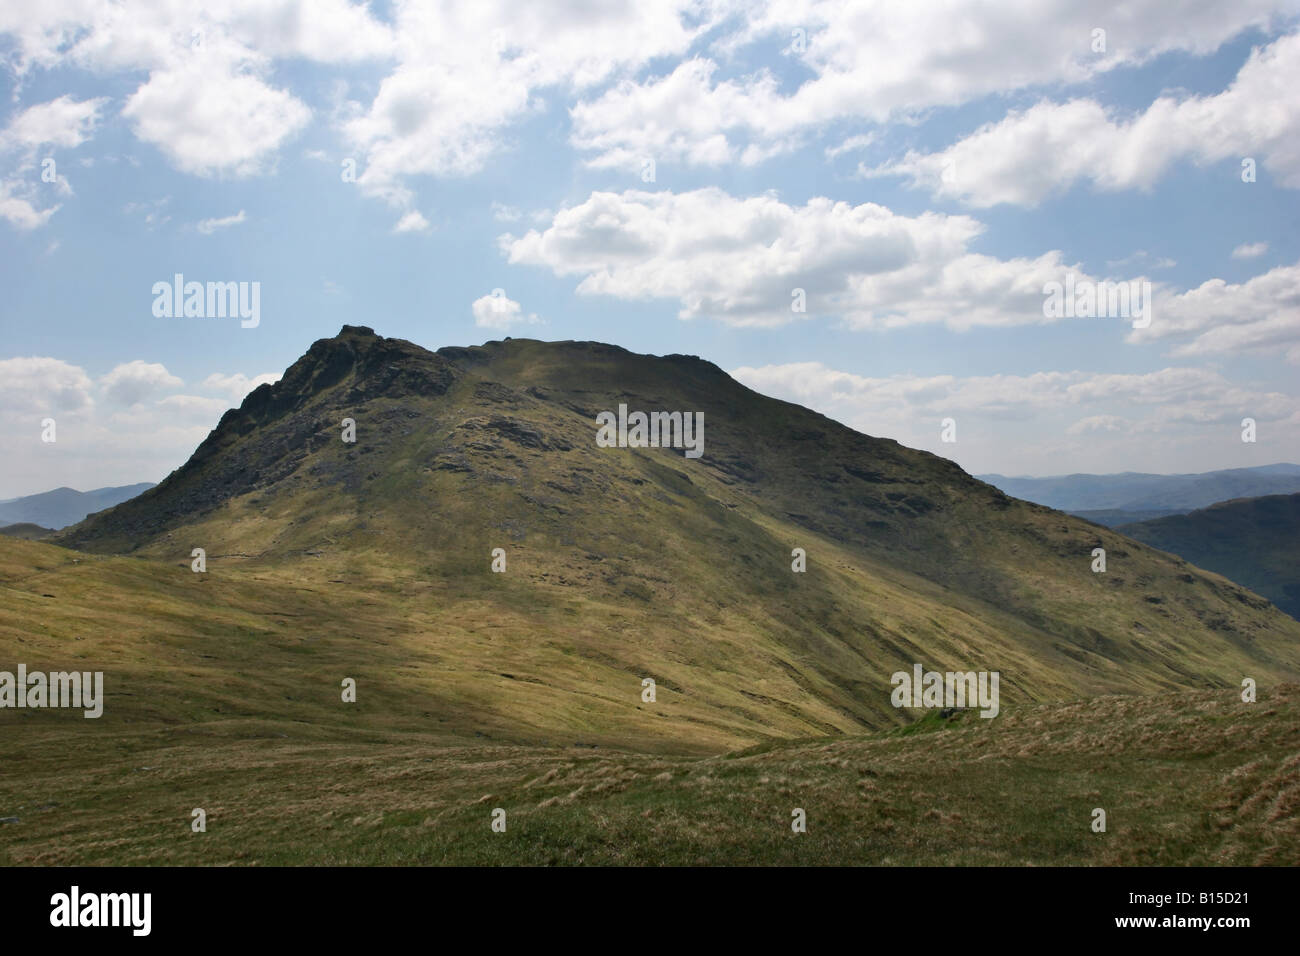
[
  {"x": 27, "y": 530},
  {"x": 1129, "y": 497},
  {"x": 1113, "y": 518},
  {"x": 64, "y": 506},
  {"x": 1253, "y": 541}
]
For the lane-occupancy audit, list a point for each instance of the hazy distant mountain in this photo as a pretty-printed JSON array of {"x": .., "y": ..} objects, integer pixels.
[
  {"x": 1133, "y": 496},
  {"x": 64, "y": 506},
  {"x": 1253, "y": 541}
]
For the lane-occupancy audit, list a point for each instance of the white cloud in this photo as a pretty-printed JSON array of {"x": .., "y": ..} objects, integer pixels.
[
  {"x": 468, "y": 70},
  {"x": 37, "y": 385},
  {"x": 1031, "y": 423},
  {"x": 60, "y": 123},
  {"x": 742, "y": 261},
  {"x": 209, "y": 115},
  {"x": 680, "y": 117},
  {"x": 1250, "y": 250},
  {"x": 138, "y": 434},
  {"x": 496, "y": 311},
  {"x": 64, "y": 123},
  {"x": 876, "y": 62},
  {"x": 1173, "y": 393},
  {"x": 133, "y": 382},
  {"x": 238, "y": 385},
  {"x": 205, "y": 101},
  {"x": 17, "y": 206},
  {"x": 209, "y": 226},
  {"x": 1044, "y": 150},
  {"x": 1261, "y": 314},
  {"x": 851, "y": 145},
  {"x": 177, "y": 410},
  {"x": 413, "y": 221}
]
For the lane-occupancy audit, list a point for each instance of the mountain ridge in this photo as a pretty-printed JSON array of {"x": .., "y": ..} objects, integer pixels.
[{"x": 639, "y": 562}]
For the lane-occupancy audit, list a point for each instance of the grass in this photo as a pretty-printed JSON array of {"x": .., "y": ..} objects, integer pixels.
[{"x": 1185, "y": 779}]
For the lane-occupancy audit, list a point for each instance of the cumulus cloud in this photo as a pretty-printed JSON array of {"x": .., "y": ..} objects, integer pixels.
[
  {"x": 210, "y": 114},
  {"x": 1250, "y": 250},
  {"x": 39, "y": 384},
  {"x": 876, "y": 62},
  {"x": 1261, "y": 314},
  {"x": 235, "y": 387},
  {"x": 455, "y": 77},
  {"x": 468, "y": 70},
  {"x": 682, "y": 117},
  {"x": 496, "y": 311},
  {"x": 142, "y": 428},
  {"x": 413, "y": 221},
  {"x": 1034, "y": 153},
  {"x": 133, "y": 382},
  {"x": 58, "y": 124},
  {"x": 64, "y": 123},
  {"x": 205, "y": 102},
  {"x": 746, "y": 261}
]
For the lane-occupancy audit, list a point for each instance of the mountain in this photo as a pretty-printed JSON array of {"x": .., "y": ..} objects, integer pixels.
[
  {"x": 32, "y": 532},
  {"x": 64, "y": 506},
  {"x": 1133, "y": 496},
  {"x": 1253, "y": 541},
  {"x": 373, "y": 560}
]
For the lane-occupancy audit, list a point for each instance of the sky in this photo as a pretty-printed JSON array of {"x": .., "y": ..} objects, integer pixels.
[{"x": 860, "y": 207}]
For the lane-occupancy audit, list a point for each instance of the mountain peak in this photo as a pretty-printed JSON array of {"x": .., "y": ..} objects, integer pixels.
[{"x": 448, "y": 456}]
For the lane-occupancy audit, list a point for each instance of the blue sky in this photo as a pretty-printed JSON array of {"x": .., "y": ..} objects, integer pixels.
[{"x": 919, "y": 171}]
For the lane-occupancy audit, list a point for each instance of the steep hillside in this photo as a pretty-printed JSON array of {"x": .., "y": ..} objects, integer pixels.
[
  {"x": 1254, "y": 541},
  {"x": 630, "y": 563}
]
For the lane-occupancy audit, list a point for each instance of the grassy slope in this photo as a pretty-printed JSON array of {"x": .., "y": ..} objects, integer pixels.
[
  {"x": 1254, "y": 541},
  {"x": 1194, "y": 778}
]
